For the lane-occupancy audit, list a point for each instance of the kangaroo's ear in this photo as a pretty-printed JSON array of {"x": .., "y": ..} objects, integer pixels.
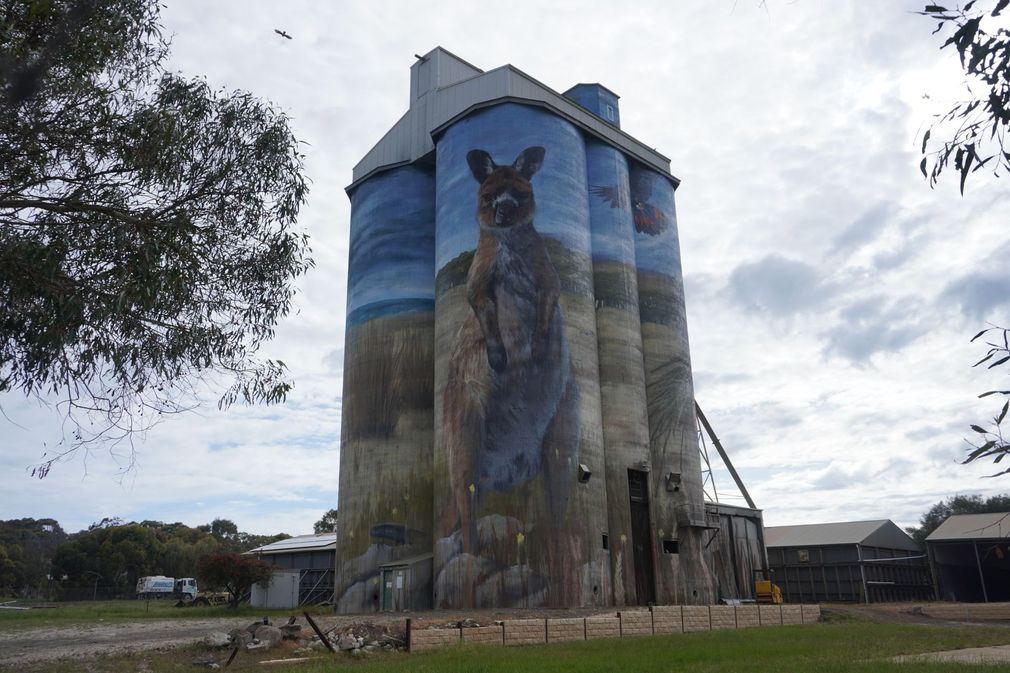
[
  {"x": 529, "y": 161},
  {"x": 481, "y": 164}
]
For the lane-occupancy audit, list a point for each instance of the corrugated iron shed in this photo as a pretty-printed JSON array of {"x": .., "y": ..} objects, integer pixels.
[
  {"x": 321, "y": 542},
  {"x": 847, "y": 561},
  {"x": 875, "y": 533},
  {"x": 993, "y": 526}
]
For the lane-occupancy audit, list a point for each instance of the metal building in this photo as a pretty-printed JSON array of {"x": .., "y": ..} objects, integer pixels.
[
  {"x": 737, "y": 550},
  {"x": 970, "y": 558},
  {"x": 518, "y": 400},
  {"x": 311, "y": 557},
  {"x": 848, "y": 561}
]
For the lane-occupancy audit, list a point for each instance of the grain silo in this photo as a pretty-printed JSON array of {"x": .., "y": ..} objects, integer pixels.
[{"x": 518, "y": 422}]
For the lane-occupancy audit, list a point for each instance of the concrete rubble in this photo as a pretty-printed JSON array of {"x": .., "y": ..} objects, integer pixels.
[
  {"x": 356, "y": 640},
  {"x": 366, "y": 637}
]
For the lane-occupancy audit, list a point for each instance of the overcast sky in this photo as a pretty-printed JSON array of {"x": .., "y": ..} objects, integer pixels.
[{"x": 831, "y": 294}]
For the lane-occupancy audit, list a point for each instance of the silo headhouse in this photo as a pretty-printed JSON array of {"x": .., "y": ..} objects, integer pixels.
[{"x": 518, "y": 412}]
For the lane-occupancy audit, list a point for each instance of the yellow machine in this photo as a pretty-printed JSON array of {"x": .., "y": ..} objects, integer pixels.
[{"x": 764, "y": 590}]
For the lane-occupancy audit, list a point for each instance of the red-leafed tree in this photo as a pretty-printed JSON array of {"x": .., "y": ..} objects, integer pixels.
[{"x": 234, "y": 573}]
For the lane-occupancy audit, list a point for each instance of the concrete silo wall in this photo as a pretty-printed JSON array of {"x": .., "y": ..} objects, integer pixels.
[
  {"x": 517, "y": 398},
  {"x": 385, "y": 497},
  {"x": 677, "y": 507},
  {"x": 622, "y": 378},
  {"x": 518, "y": 410}
]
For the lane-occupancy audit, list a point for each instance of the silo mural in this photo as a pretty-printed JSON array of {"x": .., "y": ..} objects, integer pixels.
[
  {"x": 678, "y": 507},
  {"x": 516, "y": 388},
  {"x": 518, "y": 410},
  {"x": 386, "y": 431},
  {"x": 622, "y": 378}
]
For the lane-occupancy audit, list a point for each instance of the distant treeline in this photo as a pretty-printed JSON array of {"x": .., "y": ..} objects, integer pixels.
[{"x": 38, "y": 559}]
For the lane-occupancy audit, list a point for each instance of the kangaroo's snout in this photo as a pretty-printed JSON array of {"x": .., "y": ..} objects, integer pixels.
[
  {"x": 505, "y": 198},
  {"x": 506, "y": 207}
]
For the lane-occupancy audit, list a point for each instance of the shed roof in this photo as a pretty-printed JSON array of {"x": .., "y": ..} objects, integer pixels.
[
  {"x": 320, "y": 542},
  {"x": 445, "y": 88},
  {"x": 873, "y": 533},
  {"x": 993, "y": 526}
]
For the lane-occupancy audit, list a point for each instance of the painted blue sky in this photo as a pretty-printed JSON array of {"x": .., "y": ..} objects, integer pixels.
[
  {"x": 392, "y": 240},
  {"x": 830, "y": 292},
  {"x": 504, "y": 131},
  {"x": 659, "y": 252},
  {"x": 613, "y": 232}
]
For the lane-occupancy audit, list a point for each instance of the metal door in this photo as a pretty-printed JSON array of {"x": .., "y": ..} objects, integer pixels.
[{"x": 641, "y": 537}]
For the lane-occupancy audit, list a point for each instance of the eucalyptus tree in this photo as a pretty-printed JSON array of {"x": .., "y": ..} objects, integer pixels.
[{"x": 148, "y": 235}]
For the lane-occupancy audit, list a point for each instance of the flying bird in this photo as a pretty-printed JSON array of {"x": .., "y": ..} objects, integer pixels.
[
  {"x": 282, "y": 33},
  {"x": 648, "y": 218}
]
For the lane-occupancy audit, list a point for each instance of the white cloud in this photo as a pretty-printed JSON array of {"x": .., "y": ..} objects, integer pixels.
[{"x": 795, "y": 132}]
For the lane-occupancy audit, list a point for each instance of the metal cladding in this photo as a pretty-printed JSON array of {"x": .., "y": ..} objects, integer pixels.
[{"x": 517, "y": 387}]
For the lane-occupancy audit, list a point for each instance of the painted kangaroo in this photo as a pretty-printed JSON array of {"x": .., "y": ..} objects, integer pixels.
[{"x": 510, "y": 403}]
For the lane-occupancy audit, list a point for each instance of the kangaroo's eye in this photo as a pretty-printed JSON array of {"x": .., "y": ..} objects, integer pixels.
[{"x": 485, "y": 199}]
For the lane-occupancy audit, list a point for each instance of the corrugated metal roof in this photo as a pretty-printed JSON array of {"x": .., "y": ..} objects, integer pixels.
[
  {"x": 321, "y": 542},
  {"x": 814, "y": 534},
  {"x": 993, "y": 526},
  {"x": 456, "y": 91}
]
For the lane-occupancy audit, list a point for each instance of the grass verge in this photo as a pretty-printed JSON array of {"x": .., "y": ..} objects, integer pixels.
[
  {"x": 837, "y": 647},
  {"x": 89, "y": 612}
]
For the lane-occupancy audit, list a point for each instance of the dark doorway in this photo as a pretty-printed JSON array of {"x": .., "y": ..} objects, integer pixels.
[{"x": 641, "y": 538}]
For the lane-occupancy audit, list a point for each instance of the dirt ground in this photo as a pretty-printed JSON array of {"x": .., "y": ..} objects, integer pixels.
[
  {"x": 20, "y": 648},
  {"x": 27, "y": 647},
  {"x": 894, "y": 613}
]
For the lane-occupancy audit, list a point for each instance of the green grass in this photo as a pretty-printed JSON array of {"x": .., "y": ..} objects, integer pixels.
[
  {"x": 87, "y": 612},
  {"x": 842, "y": 647},
  {"x": 834, "y": 647}
]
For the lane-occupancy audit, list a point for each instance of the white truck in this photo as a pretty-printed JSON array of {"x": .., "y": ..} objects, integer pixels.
[{"x": 159, "y": 586}]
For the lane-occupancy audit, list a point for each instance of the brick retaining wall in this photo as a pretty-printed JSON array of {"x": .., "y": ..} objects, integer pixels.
[
  {"x": 603, "y": 627},
  {"x": 565, "y": 629},
  {"x": 429, "y": 639},
  {"x": 525, "y": 631},
  {"x": 792, "y": 614},
  {"x": 635, "y": 623},
  {"x": 484, "y": 634},
  {"x": 696, "y": 618},
  {"x": 656, "y": 620},
  {"x": 667, "y": 619},
  {"x": 722, "y": 617},
  {"x": 749, "y": 615},
  {"x": 771, "y": 615}
]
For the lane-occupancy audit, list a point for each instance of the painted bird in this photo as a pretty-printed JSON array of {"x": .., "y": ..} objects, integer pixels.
[
  {"x": 648, "y": 218},
  {"x": 282, "y": 33}
]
